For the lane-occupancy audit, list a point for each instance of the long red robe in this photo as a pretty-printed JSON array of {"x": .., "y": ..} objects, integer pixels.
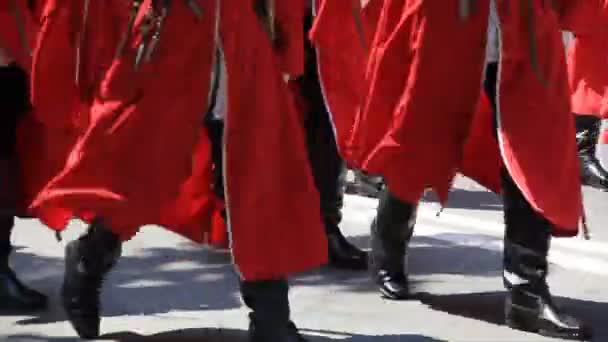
[
  {"x": 588, "y": 60},
  {"x": 133, "y": 163},
  {"x": 191, "y": 212},
  {"x": 275, "y": 221},
  {"x": 343, "y": 59},
  {"x": 424, "y": 106},
  {"x": 342, "y": 34}
]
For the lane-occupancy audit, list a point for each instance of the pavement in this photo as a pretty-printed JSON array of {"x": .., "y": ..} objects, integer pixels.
[{"x": 168, "y": 289}]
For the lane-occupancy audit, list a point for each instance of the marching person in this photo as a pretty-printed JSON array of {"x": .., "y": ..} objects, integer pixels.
[
  {"x": 423, "y": 142},
  {"x": 123, "y": 59},
  {"x": 17, "y": 30}
]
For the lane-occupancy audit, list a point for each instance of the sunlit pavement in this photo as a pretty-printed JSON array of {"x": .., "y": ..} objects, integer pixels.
[{"x": 167, "y": 289}]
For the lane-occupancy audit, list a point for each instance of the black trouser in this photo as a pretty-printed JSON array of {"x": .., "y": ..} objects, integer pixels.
[
  {"x": 526, "y": 230},
  {"x": 14, "y": 102},
  {"x": 326, "y": 163},
  {"x": 6, "y": 227},
  {"x": 215, "y": 129}
]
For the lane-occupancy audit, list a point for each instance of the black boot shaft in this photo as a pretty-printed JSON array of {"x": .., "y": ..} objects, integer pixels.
[
  {"x": 391, "y": 232},
  {"x": 100, "y": 248},
  {"x": 269, "y": 302},
  {"x": 87, "y": 262},
  {"x": 587, "y": 136}
]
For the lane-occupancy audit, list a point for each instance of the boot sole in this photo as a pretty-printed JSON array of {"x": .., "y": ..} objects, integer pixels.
[{"x": 391, "y": 296}]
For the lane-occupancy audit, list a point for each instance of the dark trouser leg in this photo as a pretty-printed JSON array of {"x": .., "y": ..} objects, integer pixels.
[
  {"x": 391, "y": 232},
  {"x": 215, "y": 128},
  {"x": 87, "y": 260},
  {"x": 14, "y": 103},
  {"x": 587, "y": 136},
  {"x": 269, "y": 318},
  {"x": 6, "y": 228},
  {"x": 529, "y": 305},
  {"x": 327, "y": 168}
]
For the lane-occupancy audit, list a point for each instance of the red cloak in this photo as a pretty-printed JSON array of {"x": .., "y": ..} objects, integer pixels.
[
  {"x": 276, "y": 227},
  {"x": 342, "y": 33},
  {"x": 133, "y": 163},
  {"x": 588, "y": 60},
  {"x": 424, "y": 117}
]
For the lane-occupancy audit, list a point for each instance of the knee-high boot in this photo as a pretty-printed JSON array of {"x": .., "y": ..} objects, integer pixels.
[
  {"x": 87, "y": 261},
  {"x": 391, "y": 232},
  {"x": 529, "y": 305},
  {"x": 269, "y": 318}
]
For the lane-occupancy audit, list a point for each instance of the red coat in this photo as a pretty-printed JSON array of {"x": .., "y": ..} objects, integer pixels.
[
  {"x": 134, "y": 165},
  {"x": 290, "y": 19},
  {"x": 421, "y": 108},
  {"x": 342, "y": 34},
  {"x": 588, "y": 60},
  {"x": 275, "y": 221}
]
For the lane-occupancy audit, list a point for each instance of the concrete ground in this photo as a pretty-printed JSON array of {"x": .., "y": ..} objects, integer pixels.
[{"x": 168, "y": 289}]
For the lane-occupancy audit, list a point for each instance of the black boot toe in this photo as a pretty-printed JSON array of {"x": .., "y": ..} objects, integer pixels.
[
  {"x": 344, "y": 255},
  {"x": 393, "y": 286},
  {"x": 539, "y": 315}
]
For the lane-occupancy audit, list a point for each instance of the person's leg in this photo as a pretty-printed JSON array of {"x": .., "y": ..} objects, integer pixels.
[
  {"x": 587, "y": 136},
  {"x": 391, "y": 232},
  {"x": 87, "y": 261},
  {"x": 270, "y": 315},
  {"x": 14, "y": 103},
  {"x": 327, "y": 166},
  {"x": 529, "y": 305}
]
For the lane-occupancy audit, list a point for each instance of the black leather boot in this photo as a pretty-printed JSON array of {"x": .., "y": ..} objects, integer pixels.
[
  {"x": 391, "y": 232},
  {"x": 342, "y": 253},
  {"x": 529, "y": 305},
  {"x": 269, "y": 319},
  {"x": 87, "y": 261},
  {"x": 14, "y": 295},
  {"x": 587, "y": 136}
]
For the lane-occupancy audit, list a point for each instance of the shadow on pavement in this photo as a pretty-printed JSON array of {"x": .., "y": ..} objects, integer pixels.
[
  {"x": 228, "y": 335},
  {"x": 190, "y": 278},
  {"x": 156, "y": 281},
  {"x": 489, "y": 307}
]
